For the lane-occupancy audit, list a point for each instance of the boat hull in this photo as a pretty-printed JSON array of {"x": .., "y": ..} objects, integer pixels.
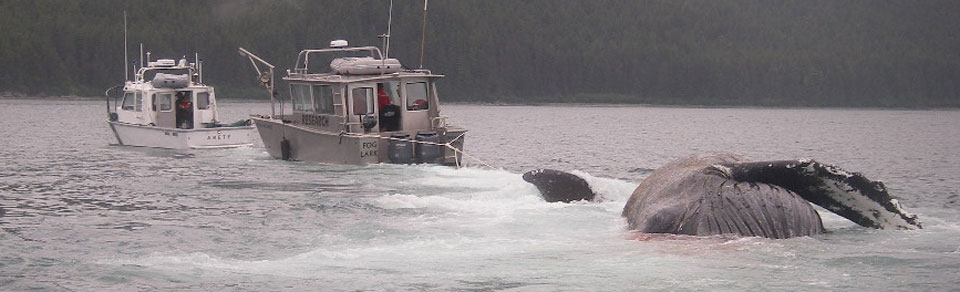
[
  {"x": 308, "y": 144},
  {"x": 174, "y": 138}
]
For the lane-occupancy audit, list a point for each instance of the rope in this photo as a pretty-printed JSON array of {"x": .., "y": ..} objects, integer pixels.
[{"x": 448, "y": 145}]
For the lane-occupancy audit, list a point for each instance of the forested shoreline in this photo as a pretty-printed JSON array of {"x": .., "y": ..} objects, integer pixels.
[{"x": 712, "y": 53}]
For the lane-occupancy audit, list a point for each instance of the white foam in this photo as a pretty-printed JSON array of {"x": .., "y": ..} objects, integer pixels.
[
  {"x": 173, "y": 261},
  {"x": 608, "y": 188}
]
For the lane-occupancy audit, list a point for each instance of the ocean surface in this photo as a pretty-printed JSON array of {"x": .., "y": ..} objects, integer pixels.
[{"x": 78, "y": 214}]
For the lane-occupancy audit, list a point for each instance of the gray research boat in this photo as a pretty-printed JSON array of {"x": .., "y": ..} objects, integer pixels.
[{"x": 367, "y": 109}]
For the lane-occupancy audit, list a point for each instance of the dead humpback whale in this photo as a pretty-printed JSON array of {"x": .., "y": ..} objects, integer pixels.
[{"x": 724, "y": 194}]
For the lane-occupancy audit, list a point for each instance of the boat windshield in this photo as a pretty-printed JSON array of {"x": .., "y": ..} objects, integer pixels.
[
  {"x": 300, "y": 95},
  {"x": 417, "y": 96},
  {"x": 363, "y": 101},
  {"x": 128, "y": 101},
  {"x": 203, "y": 100},
  {"x": 323, "y": 99},
  {"x": 132, "y": 102},
  {"x": 163, "y": 102}
]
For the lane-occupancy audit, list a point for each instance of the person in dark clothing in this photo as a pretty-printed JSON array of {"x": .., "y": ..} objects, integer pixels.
[
  {"x": 184, "y": 111},
  {"x": 389, "y": 112}
]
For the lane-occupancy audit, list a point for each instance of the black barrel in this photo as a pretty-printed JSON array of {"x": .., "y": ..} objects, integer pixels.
[
  {"x": 400, "y": 152},
  {"x": 427, "y": 153}
]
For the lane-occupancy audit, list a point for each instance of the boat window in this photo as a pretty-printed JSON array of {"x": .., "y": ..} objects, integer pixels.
[
  {"x": 163, "y": 102},
  {"x": 323, "y": 99},
  {"x": 362, "y": 100},
  {"x": 417, "y": 96},
  {"x": 203, "y": 100},
  {"x": 128, "y": 101},
  {"x": 139, "y": 102},
  {"x": 300, "y": 95}
]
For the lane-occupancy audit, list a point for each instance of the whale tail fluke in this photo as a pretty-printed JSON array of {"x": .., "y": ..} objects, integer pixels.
[
  {"x": 848, "y": 194},
  {"x": 559, "y": 186}
]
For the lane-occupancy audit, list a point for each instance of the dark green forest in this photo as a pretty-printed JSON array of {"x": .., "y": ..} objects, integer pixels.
[{"x": 874, "y": 53}]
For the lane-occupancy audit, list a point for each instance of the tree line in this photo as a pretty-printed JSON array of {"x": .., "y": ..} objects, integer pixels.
[{"x": 887, "y": 53}]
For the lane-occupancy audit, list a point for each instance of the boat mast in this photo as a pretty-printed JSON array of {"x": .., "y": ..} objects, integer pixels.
[
  {"x": 386, "y": 39},
  {"x": 126, "y": 71},
  {"x": 389, "y": 23},
  {"x": 199, "y": 66},
  {"x": 423, "y": 32},
  {"x": 196, "y": 63}
]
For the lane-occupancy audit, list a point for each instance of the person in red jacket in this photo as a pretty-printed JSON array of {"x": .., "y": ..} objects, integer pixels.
[
  {"x": 382, "y": 97},
  {"x": 184, "y": 111},
  {"x": 186, "y": 104}
]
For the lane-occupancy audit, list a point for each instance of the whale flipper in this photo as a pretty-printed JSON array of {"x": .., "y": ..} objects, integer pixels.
[
  {"x": 559, "y": 186},
  {"x": 850, "y": 195}
]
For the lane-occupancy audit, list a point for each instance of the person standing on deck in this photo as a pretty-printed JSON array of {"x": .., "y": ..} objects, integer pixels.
[
  {"x": 382, "y": 97},
  {"x": 184, "y": 111}
]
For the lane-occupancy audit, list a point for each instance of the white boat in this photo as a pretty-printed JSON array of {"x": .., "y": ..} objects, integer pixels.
[
  {"x": 166, "y": 105},
  {"x": 366, "y": 109}
]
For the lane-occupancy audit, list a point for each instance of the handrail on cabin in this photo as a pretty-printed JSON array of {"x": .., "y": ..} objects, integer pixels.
[{"x": 303, "y": 59}]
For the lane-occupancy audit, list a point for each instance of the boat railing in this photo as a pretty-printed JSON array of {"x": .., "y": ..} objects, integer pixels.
[
  {"x": 303, "y": 59},
  {"x": 421, "y": 71},
  {"x": 112, "y": 109},
  {"x": 325, "y": 76},
  {"x": 438, "y": 122}
]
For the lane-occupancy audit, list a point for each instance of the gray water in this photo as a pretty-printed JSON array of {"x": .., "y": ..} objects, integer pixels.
[{"x": 79, "y": 214}]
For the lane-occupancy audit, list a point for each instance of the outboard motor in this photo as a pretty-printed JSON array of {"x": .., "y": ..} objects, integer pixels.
[
  {"x": 368, "y": 122},
  {"x": 400, "y": 152},
  {"x": 428, "y": 153}
]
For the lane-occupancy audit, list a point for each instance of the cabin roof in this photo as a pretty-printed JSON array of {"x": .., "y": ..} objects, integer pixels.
[
  {"x": 148, "y": 86},
  {"x": 347, "y": 78}
]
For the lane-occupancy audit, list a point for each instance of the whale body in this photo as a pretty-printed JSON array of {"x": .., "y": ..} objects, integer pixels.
[{"x": 725, "y": 194}]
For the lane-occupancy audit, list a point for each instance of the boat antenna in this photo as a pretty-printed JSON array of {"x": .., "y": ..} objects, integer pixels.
[
  {"x": 389, "y": 23},
  {"x": 423, "y": 32},
  {"x": 126, "y": 71},
  {"x": 199, "y": 67},
  {"x": 386, "y": 40},
  {"x": 196, "y": 63}
]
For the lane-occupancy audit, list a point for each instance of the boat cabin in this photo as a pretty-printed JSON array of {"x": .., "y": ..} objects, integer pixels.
[
  {"x": 173, "y": 98},
  {"x": 362, "y": 94}
]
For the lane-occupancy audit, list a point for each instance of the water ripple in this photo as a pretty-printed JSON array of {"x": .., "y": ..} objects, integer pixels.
[{"x": 76, "y": 213}]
